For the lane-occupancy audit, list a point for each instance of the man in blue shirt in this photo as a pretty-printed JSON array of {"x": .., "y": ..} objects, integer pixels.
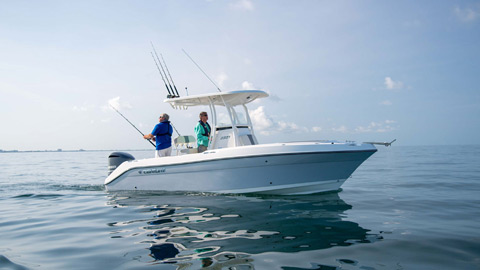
[{"x": 163, "y": 136}]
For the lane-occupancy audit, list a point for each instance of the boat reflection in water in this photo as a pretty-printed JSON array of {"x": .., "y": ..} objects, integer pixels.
[{"x": 216, "y": 231}]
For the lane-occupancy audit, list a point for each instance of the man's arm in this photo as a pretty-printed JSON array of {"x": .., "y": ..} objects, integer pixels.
[
  {"x": 151, "y": 136},
  {"x": 148, "y": 136},
  {"x": 199, "y": 132}
]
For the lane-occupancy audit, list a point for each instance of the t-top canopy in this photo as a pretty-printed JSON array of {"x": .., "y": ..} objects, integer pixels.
[{"x": 231, "y": 98}]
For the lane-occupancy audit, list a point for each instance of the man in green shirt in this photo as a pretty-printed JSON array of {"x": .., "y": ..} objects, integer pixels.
[{"x": 202, "y": 130}]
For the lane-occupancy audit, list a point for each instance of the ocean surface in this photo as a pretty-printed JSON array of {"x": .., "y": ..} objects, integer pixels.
[{"x": 404, "y": 208}]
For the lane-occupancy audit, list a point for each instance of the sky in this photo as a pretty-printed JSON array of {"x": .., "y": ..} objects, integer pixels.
[{"x": 334, "y": 70}]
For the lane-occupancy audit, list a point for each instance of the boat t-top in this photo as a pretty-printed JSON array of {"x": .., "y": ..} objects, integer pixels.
[{"x": 235, "y": 162}]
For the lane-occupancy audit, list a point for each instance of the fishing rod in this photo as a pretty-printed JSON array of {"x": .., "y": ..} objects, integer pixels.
[
  {"x": 131, "y": 124},
  {"x": 169, "y": 75},
  {"x": 202, "y": 70},
  {"x": 175, "y": 129},
  {"x": 165, "y": 73},
  {"x": 168, "y": 90}
]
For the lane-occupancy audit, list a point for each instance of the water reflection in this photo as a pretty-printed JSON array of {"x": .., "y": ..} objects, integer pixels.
[{"x": 217, "y": 231}]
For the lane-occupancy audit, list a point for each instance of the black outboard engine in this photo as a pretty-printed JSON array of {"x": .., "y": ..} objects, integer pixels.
[{"x": 117, "y": 158}]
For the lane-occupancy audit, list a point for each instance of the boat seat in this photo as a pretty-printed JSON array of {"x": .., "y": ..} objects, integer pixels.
[
  {"x": 189, "y": 151},
  {"x": 186, "y": 140},
  {"x": 186, "y": 144}
]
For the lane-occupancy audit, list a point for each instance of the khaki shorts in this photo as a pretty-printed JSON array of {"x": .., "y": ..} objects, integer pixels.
[{"x": 202, "y": 148}]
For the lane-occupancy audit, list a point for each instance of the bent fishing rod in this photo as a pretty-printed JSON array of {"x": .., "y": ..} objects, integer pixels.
[{"x": 131, "y": 124}]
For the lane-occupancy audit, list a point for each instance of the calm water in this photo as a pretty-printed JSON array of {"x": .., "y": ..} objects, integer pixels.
[{"x": 404, "y": 208}]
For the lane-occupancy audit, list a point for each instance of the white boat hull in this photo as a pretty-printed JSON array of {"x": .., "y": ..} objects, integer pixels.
[{"x": 285, "y": 169}]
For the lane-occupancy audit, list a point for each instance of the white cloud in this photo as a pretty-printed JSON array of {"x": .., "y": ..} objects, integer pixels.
[
  {"x": 391, "y": 84},
  {"x": 247, "y": 86},
  {"x": 117, "y": 104},
  {"x": 221, "y": 79},
  {"x": 84, "y": 107},
  {"x": 80, "y": 108},
  {"x": 467, "y": 14},
  {"x": 266, "y": 125},
  {"x": 342, "y": 129},
  {"x": 245, "y": 5},
  {"x": 289, "y": 126},
  {"x": 386, "y": 103},
  {"x": 273, "y": 97},
  {"x": 261, "y": 121},
  {"x": 377, "y": 127}
]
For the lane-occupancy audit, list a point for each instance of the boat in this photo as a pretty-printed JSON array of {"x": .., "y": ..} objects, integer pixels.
[{"x": 235, "y": 162}]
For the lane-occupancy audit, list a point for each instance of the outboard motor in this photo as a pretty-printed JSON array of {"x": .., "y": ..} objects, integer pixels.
[{"x": 117, "y": 158}]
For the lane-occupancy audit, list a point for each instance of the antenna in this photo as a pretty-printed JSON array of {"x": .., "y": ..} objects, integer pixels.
[{"x": 202, "y": 71}]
